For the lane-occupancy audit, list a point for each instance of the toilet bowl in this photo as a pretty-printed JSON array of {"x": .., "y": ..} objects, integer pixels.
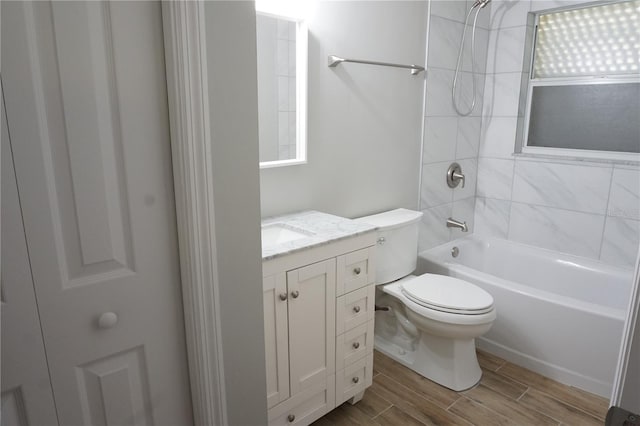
[{"x": 449, "y": 313}]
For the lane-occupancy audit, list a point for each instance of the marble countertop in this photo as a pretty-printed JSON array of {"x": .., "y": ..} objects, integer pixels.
[{"x": 321, "y": 228}]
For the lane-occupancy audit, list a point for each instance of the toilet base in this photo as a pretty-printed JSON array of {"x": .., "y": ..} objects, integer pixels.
[{"x": 448, "y": 362}]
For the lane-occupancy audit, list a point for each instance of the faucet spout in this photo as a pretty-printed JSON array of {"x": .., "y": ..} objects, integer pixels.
[{"x": 452, "y": 223}]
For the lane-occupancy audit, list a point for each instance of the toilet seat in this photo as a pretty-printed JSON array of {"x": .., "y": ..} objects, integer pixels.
[{"x": 447, "y": 294}]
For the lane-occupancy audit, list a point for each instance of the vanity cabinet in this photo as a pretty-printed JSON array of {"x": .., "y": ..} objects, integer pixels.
[{"x": 319, "y": 310}]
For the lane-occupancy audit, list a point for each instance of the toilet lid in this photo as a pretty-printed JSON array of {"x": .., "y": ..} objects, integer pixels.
[{"x": 448, "y": 294}]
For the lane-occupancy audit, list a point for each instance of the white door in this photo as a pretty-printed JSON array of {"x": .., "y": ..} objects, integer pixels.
[
  {"x": 86, "y": 105},
  {"x": 25, "y": 378}
]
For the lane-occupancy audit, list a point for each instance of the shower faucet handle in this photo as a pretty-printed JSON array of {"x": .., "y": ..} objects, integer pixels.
[{"x": 455, "y": 175}]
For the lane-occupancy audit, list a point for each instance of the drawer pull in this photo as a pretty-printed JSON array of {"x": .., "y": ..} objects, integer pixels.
[
  {"x": 291, "y": 418},
  {"x": 283, "y": 296},
  {"x": 355, "y": 379},
  {"x": 295, "y": 294},
  {"x": 357, "y": 270},
  {"x": 356, "y": 309},
  {"x": 356, "y": 345}
]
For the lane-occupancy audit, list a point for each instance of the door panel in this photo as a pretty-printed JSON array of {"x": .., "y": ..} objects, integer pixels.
[
  {"x": 312, "y": 329},
  {"x": 276, "y": 336},
  {"x": 25, "y": 378},
  {"x": 86, "y": 94}
]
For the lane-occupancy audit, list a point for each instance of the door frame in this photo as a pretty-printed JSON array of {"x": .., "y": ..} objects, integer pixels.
[{"x": 189, "y": 117}]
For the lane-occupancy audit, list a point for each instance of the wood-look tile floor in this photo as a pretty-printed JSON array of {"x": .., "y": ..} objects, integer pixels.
[{"x": 506, "y": 395}]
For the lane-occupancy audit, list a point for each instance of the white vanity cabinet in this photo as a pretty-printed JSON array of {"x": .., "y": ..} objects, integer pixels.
[{"x": 318, "y": 307}]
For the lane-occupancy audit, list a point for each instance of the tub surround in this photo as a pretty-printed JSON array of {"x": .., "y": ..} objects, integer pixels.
[{"x": 322, "y": 229}]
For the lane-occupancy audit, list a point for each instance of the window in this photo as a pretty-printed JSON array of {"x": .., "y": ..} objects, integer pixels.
[{"x": 583, "y": 94}]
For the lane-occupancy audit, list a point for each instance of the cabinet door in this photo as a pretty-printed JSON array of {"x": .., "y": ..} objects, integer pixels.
[
  {"x": 312, "y": 301},
  {"x": 276, "y": 337}
]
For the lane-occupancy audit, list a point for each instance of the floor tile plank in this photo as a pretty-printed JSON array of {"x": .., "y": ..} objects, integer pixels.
[
  {"x": 396, "y": 417},
  {"x": 585, "y": 401},
  {"x": 478, "y": 414},
  {"x": 503, "y": 385},
  {"x": 488, "y": 361},
  {"x": 372, "y": 404},
  {"x": 556, "y": 409},
  {"x": 425, "y": 387},
  {"x": 423, "y": 409},
  {"x": 509, "y": 408}
]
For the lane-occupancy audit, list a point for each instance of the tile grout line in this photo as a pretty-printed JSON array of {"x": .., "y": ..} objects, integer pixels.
[{"x": 384, "y": 411}]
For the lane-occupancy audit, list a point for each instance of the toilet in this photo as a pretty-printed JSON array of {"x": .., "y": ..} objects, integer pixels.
[{"x": 432, "y": 320}]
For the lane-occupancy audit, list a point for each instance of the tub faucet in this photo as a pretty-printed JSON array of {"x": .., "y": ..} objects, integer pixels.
[{"x": 452, "y": 223}]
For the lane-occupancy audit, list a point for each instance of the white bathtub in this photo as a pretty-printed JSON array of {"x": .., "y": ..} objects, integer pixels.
[{"x": 559, "y": 315}]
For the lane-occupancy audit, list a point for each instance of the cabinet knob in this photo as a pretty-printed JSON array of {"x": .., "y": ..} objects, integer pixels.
[
  {"x": 355, "y": 379},
  {"x": 356, "y": 345},
  {"x": 295, "y": 294},
  {"x": 283, "y": 296},
  {"x": 107, "y": 320},
  {"x": 291, "y": 418},
  {"x": 357, "y": 270},
  {"x": 356, "y": 309}
]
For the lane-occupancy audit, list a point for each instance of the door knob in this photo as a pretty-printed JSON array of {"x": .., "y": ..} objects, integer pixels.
[
  {"x": 356, "y": 309},
  {"x": 295, "y": 294},
  {"x": 283, "y": 296},
  {"x": 107, "y": 320}
]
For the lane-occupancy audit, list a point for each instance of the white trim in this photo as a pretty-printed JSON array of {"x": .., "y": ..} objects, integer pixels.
[
  {"x": 633, "y": 317},
  {"x": 185, "y": 56}
]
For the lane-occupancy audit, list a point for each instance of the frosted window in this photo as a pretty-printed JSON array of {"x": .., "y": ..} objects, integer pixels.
[
  {"x": 602, "y": 117},
  {"x": 598, "y": 40}
]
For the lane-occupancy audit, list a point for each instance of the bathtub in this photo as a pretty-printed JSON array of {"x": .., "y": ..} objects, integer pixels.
[{"x": 559, "y": 315}]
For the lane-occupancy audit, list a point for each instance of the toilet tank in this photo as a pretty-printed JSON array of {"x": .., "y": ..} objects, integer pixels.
[{"x": 397, "y": 249}]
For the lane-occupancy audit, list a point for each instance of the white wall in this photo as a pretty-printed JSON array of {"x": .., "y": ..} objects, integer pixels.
[
  {"x": 231, "y": 60},
  {"x": 584, "y": 208},
  {"x": 364, "y": 121},
  {"x": 449, "y": 137}
]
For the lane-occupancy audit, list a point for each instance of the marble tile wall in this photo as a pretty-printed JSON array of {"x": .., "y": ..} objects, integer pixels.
[
  {"x": 585, "y": 208},
  {"x": 449, "y": 137}
]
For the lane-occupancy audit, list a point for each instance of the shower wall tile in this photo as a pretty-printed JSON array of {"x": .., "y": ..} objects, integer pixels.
[
  {"x": 492, "y": 217},
  {"x": 495, "y": 177},
  {"x": 440, "y": 134},
  {"x": 455, "y": 10},
  {"x": 620, "y": 242},
  {"x": 502, "y": 94},
  {"x": 625, "y": 193},
  {"x": 482, "y": 41},
  {"x": 506, "y": 50},
  {"x": 552, "y": 4},
  {"x": 556, "y": 229},
  {"x": 498, "y": 137},
  {"x": 470, "y": 170},
  {"x": 463, "y": 210},
  {"x": 444, "y": 42},
  {"x": 283, "y": 93},
  {"x": 438, "y": 102},
  {"x": 508, "y": 13},
  {"x": 468, "y": 140},
  {"x": 571, "y": 187},
  {"x": 464, "y": 92},
  {"x": 433, "y": 227},
  {"x": 435, "y": 190}
]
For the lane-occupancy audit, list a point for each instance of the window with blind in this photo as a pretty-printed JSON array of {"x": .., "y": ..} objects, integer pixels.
[{"x": 583, "y": 93}]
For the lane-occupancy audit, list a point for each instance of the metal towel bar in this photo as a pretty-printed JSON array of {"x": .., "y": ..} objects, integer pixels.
[{"x": 335, "y": 60}]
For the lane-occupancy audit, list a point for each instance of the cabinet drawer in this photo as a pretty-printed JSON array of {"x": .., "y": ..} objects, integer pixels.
[
  {"x": 354, "y": 379},
  {"x": 355, "y": 308},
  {"x": 354, "y": 344},
  {"x": 306, "y": 406},
  {"x": 355, "y": 270}
]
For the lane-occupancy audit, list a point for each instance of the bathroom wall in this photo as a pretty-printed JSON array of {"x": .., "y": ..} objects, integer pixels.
[
  {"x": 232, "y": 98},
  {"x": 585, "y": 208},
  {"x": 449, "y": 137},
  {"x": 364, "y": 121}
]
